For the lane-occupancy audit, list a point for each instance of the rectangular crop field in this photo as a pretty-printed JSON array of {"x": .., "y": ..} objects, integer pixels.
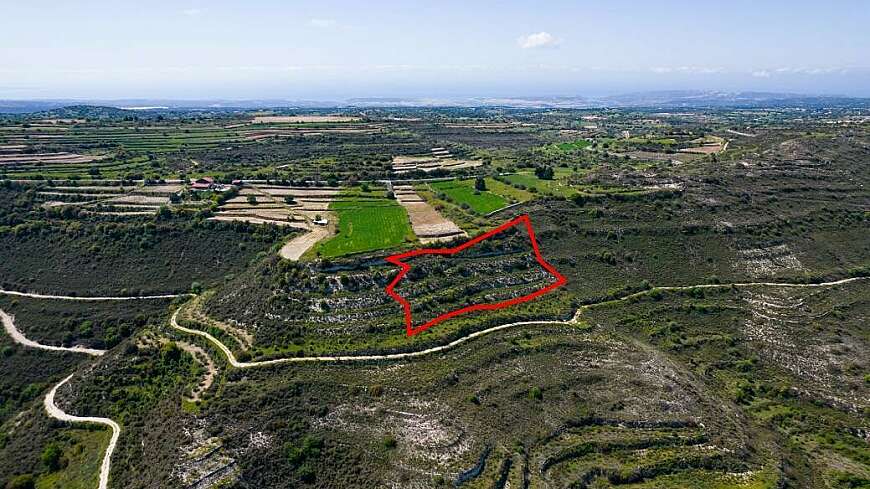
[
  {"x": 367, "y": 224},
  {"x": 463, "y": 192}
]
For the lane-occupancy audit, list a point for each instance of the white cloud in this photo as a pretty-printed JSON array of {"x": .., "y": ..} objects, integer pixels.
[
  {"x": 192, "y": 12},
  {"x": 322, "y": 23},
  {"x": 538, "y": 40},
  {"x": 761, "y": 74},
  {"x": 693, "y": 70},
  {"x": 813, "y": 71}
]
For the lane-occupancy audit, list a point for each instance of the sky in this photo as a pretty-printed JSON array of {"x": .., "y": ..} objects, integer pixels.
[{"x": 335, "y": 50}]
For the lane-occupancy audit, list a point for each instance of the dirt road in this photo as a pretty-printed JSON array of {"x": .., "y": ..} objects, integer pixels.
[
  {"x": 18, "y": 337},
  {"x": 402, "y": 356},
  {"x": 57, "y": 413},
  {"x": 76, "y": 298},
  {"x": 349, "y": 358}
]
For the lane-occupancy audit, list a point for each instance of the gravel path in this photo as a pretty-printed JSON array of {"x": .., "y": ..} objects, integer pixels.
[
  {"x": 107, "y": 298},
  {"x": 401, "y": 356},
  {"x": 57, "y": 413},
  {"x": 18, "y": 337}
]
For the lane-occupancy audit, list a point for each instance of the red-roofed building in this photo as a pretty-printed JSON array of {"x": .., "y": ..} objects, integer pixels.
[{"x": 204, "y": 183}]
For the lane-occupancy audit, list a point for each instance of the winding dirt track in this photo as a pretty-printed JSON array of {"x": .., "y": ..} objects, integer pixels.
[
  {"x": 75, "y": 298},
  {"x": 18, "y": 337},
  {"x": 392, "y": 356},
  {"x": 57, "y": 413},
  {"x": 349, "y": 358},
  {"x": 401, "y": 356},
  {"x": 50, "y": 407}
]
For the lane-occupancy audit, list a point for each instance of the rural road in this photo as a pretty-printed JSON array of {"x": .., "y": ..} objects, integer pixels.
[
  {"x": 18, "y": 337},
  {"x": 725, "y": 286},
  {"x": 348, "y": 358},
  {"x": 10, "y": 327},
  {"x": 401, "y": 356},
  {"x": 57, "y": 413},
  {"x": 109, "y": 298}
]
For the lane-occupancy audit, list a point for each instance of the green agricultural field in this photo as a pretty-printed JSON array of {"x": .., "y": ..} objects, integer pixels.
[
  {"x": 367, "y": 224},
  {"x": 463, "y": 192},
  {"x": 578, "y": 144}
]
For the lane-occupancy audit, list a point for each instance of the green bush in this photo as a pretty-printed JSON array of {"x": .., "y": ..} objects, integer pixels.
[
  {"x": 389, "y": 442},
  {"x": 52, "y": 457},
  {"x": 24, "y": 481}
]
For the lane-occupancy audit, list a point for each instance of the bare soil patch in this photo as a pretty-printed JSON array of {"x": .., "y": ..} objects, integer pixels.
[
  {"x": 296, "y": 247},
  {"x": 428, "y": 224},
  {"x": 201, "y": 357}
]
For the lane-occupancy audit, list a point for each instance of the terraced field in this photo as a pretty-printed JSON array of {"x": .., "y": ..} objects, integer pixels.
[{"x": 326, "y": 311}]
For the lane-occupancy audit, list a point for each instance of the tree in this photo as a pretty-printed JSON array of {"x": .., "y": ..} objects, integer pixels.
[
  {"x": 544, "y": 172},
  {"x": 252, "y": 200},
  {"x": 288, "y": 199},
  {"x": 163, "y": 213},
  {"x": 51, "y": 457},
  {"x": 479, "y": 184}
]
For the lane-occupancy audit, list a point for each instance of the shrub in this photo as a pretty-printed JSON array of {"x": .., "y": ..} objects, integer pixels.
[
  {"x": 544, "y": 172},
  {"x": 23, "y": 481},
  {"x": 308, "y": 448},
  {"x": 479, "y": 184},
  {"x": 52, "y": 456},
  {"x": 389, "y": 442}
]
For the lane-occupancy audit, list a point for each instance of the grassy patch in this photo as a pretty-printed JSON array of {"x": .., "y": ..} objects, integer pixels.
[
  {"x": 463, "y": 193},
  {"x": 573, "y": 145},
  {"x": 82, "y": 453},
  {"x": 530, "y": 181},
  {"x": 509, "y": 192}
]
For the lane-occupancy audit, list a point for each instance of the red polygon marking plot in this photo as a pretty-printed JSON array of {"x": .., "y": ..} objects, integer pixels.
[{"x": 491, "y": 306}]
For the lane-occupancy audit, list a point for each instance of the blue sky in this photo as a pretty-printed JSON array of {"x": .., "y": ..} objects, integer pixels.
[{"x": 339, "y": 49}]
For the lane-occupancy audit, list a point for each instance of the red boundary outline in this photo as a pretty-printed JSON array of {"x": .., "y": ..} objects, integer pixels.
[{"x": 397, "y": 260}]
